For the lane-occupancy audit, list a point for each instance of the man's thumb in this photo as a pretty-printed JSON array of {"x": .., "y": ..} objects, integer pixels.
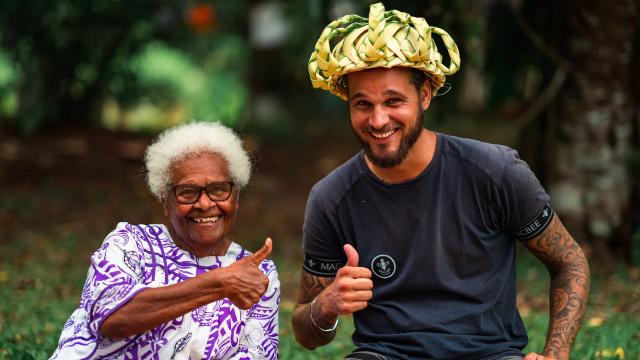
[
  {"x": 262, "y": 254},
  {"x": 352, "y": 255}
]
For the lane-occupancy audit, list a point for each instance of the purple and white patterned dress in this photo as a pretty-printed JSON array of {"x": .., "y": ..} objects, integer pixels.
[{"x": 135, "y": 257}]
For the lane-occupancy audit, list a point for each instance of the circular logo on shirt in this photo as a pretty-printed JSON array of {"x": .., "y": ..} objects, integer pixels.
[{"x": 383, "y": 266}]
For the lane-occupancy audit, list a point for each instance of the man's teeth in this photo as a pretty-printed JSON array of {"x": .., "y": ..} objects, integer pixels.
[
  {"x": 382, "y": 135},
  {"x": 206, "y": 219}
]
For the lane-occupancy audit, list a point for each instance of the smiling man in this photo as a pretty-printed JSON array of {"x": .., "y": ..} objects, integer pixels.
[{"x": 415, "y": 235}]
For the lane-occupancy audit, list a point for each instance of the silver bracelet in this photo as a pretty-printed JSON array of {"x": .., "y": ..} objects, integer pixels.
[{"x": 333, "y": 328}]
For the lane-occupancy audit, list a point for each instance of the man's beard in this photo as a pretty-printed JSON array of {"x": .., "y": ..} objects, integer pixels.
[{"x": 399, "y": 155}]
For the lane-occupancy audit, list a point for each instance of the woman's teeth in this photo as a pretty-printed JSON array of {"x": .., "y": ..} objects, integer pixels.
[{"x": 205, "y": 219}]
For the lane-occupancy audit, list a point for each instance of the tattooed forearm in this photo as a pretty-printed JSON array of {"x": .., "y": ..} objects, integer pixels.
[
  {"x": 569, "y": 289},
  {"x": 307, "y": 334},
  {"x": 311, "y": 286}
]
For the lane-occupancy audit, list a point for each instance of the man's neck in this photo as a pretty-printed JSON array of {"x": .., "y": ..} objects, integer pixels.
[{"x": 417, "y": 160}]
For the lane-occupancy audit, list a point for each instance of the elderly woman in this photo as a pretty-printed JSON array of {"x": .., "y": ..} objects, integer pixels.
[{"x": 183, "y": 289}]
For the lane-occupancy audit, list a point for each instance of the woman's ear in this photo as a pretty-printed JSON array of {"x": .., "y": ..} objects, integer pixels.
[{"x": 165, "y": 206}]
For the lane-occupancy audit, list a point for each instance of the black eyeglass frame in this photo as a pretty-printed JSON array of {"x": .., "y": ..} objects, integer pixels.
[{"x": 174, "y": 189}]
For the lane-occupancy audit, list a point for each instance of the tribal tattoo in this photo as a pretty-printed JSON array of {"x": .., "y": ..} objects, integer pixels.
[
  {"x": 308, "y": 334},
  {"x": 569, "y": 288}
]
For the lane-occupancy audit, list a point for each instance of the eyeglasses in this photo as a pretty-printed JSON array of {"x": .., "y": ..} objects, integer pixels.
[{"x": 216, "y": 191}]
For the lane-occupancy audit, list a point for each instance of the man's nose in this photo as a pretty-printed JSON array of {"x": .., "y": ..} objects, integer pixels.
[{"x": 379, "y": 117}]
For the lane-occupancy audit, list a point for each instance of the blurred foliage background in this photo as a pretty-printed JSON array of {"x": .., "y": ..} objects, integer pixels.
[{"x": 85, "y": 84}]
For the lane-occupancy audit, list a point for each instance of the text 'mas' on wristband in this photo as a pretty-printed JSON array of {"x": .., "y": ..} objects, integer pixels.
[{"x": 322, "y": 267}]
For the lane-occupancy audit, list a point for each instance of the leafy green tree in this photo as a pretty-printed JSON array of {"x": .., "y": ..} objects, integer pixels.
[{"x": 66, "y": 51}]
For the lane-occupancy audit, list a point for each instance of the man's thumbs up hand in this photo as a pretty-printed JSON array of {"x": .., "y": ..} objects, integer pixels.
[
  {"x": 352, "y": 255},
  {"x": 350, "y": 290}
]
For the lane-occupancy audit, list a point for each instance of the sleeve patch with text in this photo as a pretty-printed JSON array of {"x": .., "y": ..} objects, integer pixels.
[
  {"x": 536, "y": 226},
  {"x": 322, "y": 267}
]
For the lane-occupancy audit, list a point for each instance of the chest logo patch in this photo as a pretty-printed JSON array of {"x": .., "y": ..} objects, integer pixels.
[{"x": 383, "y": 266}]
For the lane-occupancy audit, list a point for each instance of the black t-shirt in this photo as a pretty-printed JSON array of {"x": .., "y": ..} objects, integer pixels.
[{"x": 441, "y": 248}]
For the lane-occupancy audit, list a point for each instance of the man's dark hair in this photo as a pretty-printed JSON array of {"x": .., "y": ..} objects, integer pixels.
[{"x": 418, "y": 78}]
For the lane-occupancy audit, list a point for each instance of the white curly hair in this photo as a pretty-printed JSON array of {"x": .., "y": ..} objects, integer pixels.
[{"x": 177, "y": 143}]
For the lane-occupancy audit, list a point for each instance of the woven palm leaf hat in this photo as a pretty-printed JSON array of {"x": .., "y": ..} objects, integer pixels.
[{"x": 386, "y": 39}]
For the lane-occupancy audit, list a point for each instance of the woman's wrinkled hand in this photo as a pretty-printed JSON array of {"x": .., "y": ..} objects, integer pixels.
[{"x": 243, "y": 282}]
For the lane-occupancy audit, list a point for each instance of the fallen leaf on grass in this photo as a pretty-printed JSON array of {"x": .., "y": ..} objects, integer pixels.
[
  {"x": 618, "y": 353},
  {"x": 595, "y": 321}
]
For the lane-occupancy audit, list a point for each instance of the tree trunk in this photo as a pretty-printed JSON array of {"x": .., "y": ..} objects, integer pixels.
[{"x": 591, "y": 122}]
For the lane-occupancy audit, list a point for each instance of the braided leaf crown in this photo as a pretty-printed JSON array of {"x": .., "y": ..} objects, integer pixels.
[{"x": 386, "y": 39}]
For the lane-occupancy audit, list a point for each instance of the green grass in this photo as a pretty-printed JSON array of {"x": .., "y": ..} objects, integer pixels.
[
  {"x": 40, "y": 285},
  {"x": 611, "y": 329},
  {"x": 41, "y": 275},
  {"x": 337, "y": 349}
]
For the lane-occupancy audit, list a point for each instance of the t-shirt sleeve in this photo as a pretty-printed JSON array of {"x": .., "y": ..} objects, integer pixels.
[
  {"x": 524, "y": 202},
  {"x": 114, "y": 277},
  {"x": 321, "y": 241}
]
